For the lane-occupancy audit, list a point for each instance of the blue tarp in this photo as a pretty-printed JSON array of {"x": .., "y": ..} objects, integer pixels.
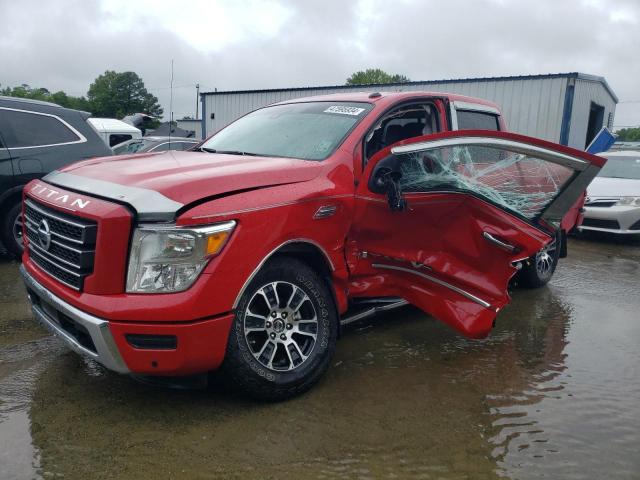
[{"x": 602, "y": 141}]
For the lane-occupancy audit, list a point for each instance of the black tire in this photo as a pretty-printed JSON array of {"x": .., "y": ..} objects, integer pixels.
[
  {"x": 533, "y": 275},
  {"x": 290, "y": 370},
  {"x": 12, "y": 243}
]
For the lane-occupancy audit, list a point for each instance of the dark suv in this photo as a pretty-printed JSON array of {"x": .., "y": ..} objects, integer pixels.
[{"x": 36, "y": 138}]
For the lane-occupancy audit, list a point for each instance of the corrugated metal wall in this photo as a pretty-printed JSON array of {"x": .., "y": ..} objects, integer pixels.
[
  {"x": 587, "y": 91},
  {"x": 194, "y": 125},
  {"x": 531, "y": 106}
]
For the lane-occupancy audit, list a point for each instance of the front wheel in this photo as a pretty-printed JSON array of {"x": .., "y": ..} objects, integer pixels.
[
  {"x": 540, "y": 267},
  {"x": 284, "y": 332},
  {"x": 11, "y": 233}
]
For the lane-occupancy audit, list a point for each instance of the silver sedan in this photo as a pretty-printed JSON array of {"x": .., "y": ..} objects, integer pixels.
[{"x": 613, "y": 198}]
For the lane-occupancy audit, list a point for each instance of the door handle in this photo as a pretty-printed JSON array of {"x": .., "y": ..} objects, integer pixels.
[{"x": 499, "y": 243}]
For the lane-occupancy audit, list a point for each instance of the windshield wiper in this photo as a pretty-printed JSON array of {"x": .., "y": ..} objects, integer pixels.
[
  {"x": 238, "y": 152},
  {"x": 228, "y": 152}
]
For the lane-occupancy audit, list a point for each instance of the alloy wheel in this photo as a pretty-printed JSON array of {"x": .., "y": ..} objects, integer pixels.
[
  {"x": 17, "y": 230},
  {"x": 280, "y": 326},
  {"x": 545, "y": 259}
]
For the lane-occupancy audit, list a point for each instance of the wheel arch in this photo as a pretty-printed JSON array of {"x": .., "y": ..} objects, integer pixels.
[
  {"x": 9, "y": 197},
  {"x": 304, "y": 249}
]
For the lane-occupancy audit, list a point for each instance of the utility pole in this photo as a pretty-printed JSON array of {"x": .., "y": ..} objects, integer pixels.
[{"x": 197, "y": 98}]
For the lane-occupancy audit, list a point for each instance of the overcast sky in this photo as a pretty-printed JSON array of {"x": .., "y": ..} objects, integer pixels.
[{"x": 252, "y": 44}]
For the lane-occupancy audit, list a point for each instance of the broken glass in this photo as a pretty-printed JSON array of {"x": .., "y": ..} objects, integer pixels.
[{"x": 519, "y": 182}]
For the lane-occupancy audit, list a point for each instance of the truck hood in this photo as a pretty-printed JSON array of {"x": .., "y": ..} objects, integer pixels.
[
  {"x": 614, "y": 187},
  {"x": 158, "y": 185}
]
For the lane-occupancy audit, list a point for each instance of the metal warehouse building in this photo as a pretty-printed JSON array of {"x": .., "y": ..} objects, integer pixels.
[{"x": 566, "y": 108}]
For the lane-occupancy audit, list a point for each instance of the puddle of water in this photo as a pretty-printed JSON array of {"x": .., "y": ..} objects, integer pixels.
[{"x": 552, "y": 393}]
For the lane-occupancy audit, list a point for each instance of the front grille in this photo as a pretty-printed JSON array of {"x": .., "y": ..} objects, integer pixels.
[
  {"x": 70, "y": 254},
  {"x": 599, "y": 223}
]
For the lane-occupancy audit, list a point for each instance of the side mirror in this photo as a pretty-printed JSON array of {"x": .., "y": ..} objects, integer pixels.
[{"x": 388, "y": 180}]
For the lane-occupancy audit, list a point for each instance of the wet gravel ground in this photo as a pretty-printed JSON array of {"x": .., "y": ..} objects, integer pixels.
[{"x": 554, "y": 392}]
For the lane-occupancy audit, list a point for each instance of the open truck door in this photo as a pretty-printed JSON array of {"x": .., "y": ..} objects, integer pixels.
[{"x": 444, "y": 221}]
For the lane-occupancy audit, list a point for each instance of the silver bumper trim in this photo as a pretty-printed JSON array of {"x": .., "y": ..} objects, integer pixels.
[
  {"x": 610, "y": 230},
  {"x": 106, "y": 350}
]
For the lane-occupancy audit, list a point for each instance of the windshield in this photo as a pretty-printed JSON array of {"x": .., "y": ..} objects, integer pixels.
[
  {"x": 131, "y": 146},
  {"x": 310, "y": 131},
  {"x": 621, "y": 167}
]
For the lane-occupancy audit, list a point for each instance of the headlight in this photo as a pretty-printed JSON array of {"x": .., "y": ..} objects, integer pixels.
[
  {"x": 629, "y": 201},
  {"x": 169, "y": 259}
]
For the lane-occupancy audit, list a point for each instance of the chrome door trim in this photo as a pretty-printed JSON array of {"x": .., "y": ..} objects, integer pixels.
[
  {"x": 520, "y": 147},
  {"x": 499, "y": 243},
  {"x": 437, "y": 281}
]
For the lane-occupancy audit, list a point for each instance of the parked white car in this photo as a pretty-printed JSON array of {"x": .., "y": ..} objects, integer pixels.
[
  {"x": 114, "y": 131},
  {"x": 613, "y": 198}
]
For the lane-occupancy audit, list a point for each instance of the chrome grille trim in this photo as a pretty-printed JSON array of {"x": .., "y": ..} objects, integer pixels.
[
  {"x": 55, "y": 216},
  {"x": 37, "y": 259},
  {"x": 69, "y": 256},
  {"x": 42, "y": 251},
  {"x": 87, "y": 230}
]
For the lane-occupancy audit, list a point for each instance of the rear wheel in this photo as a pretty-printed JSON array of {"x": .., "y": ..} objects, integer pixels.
[
  {"x": 540, "y": 267},
  {"x": 12, "y": 231},
  {"x": 284, "y": 332}
]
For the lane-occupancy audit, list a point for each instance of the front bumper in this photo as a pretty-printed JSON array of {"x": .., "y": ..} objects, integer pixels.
[
  {"x": 623, "y": 220},
  {"x": 85, "y": 334},
  {"x": 200, "y": 345}
]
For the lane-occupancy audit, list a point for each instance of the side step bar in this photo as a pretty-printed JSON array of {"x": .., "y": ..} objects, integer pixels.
[{"x": 377, "y": 305}]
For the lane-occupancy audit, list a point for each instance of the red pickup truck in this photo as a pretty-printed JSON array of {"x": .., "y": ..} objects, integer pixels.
[{"x": 249, "y": 253}]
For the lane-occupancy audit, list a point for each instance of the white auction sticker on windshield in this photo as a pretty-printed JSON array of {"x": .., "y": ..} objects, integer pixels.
[{"x": 344, "y": 110}]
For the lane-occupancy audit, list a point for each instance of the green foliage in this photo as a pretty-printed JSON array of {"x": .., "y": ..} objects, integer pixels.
[
  {"x": 629, "y": 134},
  {"x": 152, "y": 124},
  {"x": 115, "y": 94},
  {"x": 112, "y": 95},
  {"x": 375, "y": 75},
  {"x": 61, "y": 98}
]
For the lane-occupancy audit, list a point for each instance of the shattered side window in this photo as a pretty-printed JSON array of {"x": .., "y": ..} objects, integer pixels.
[{"x": 519, "y": 182}]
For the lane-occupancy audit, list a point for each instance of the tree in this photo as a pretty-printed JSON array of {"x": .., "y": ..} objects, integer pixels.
[
  {"x": 629, "y": 134},
  {"x": 375, "y": 75},
  {"x": 115, "y": 95}
]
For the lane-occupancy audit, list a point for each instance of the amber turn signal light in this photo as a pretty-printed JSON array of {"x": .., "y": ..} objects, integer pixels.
[{"x": 216, "y": 241}]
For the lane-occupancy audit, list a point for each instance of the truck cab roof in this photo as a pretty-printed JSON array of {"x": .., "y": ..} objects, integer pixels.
[{"x": 383, "y": 97}]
